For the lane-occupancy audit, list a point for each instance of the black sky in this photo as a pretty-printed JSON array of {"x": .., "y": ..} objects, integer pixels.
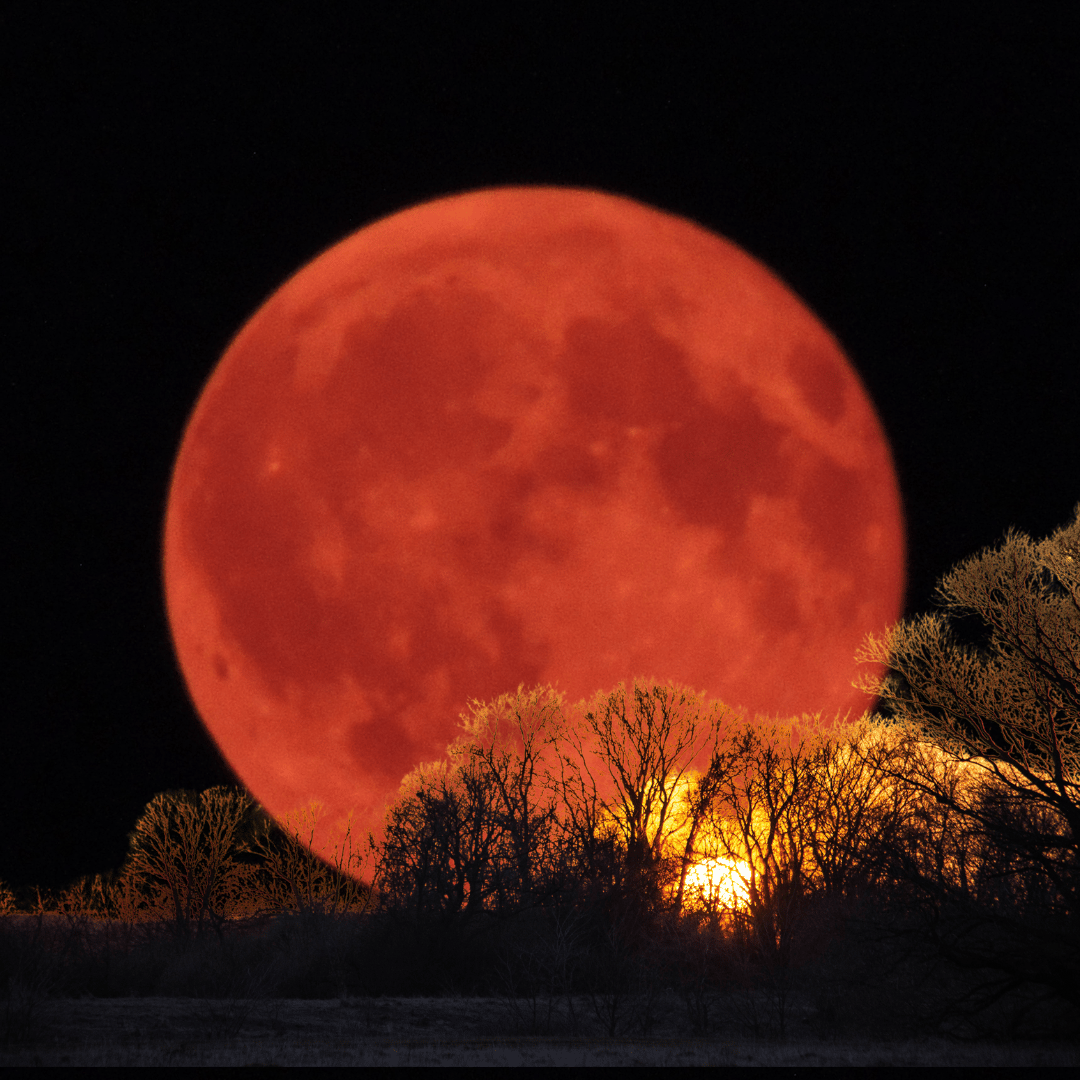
[{"x": 916, "y": 182}]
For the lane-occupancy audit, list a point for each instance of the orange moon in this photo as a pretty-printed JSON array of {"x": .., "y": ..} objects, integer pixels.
[{"x": 520, "y": 435}]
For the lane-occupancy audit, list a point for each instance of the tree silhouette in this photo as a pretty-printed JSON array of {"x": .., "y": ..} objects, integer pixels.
[
  {"x": 444, "y": 843},
  {"x": 510, "y": 743},
  {"x": 183, "y": 854},
  {"x": 632, "y": 751},
  {"x": 798, "y": 813},
  {"x": 478, "y": 829},
  {"x": 531, "y": 802},
  {"x": 992, "y": 680}
]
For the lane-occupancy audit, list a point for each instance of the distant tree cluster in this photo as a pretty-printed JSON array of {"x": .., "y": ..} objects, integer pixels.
[
  {"x": 597, "y": 811},
  {"x": 539, "y": 804},
  {"x": 196, "y": 860}
]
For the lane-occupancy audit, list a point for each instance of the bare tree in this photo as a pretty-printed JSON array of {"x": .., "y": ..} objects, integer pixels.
[
  {"x": 443, "y": 845},
  {"x": 183, "y": 852},
  {"x": 632, "y": 751},
  {"x": 856, "y": 809},
  {"x": 762, "y": 823},
  {"x": 992, "y": 681},
  {"x": 1008, "y": 695},
  {"x": 529, "y": 803},
  {"x": 508, "y": 744},
  {"x": 293, "y": 877},
  {"x": 799, "y": 814}
]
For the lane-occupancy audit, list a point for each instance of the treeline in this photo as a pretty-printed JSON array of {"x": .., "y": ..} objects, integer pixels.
[
  {"x": 788, "y": 841},
  {"x": 641, "y": 804},
  {"x": 648, "y": 842},
  {"x": 923, "y": 862},
  {"x": 602, "y": 805}
]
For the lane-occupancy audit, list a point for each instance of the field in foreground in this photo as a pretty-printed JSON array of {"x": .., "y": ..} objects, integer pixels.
[{"x": 454, "y": 1031}]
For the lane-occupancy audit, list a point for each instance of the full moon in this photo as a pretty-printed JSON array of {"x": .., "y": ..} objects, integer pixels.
[{"x": 522, "y": 435}]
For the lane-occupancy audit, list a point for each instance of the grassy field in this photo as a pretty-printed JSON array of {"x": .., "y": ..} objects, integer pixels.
[
  {"x": 455, "y": 1031},
  {"x": 349, "y": 991}
]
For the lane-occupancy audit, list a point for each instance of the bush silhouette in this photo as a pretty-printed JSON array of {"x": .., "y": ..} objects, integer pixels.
[{"x": 184, "y": 858}]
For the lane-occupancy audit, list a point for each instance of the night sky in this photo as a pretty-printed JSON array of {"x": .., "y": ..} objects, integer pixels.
[{"x": 915, "y": 182}]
